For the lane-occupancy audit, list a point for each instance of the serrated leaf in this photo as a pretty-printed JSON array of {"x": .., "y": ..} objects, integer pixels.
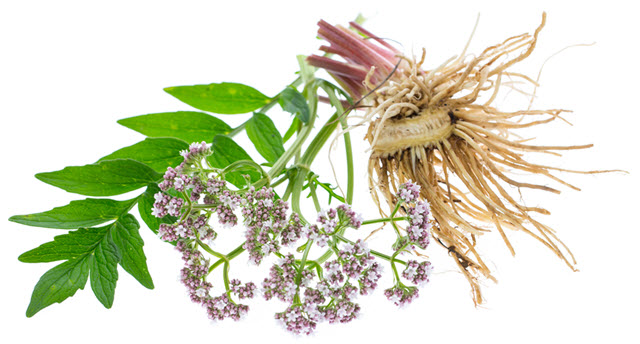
[
  {"x": 67, "y": 246},
  {"x": 82, "y": 213},
  {"x": 294, "y": 102},
  {"x": 145, "y": 205},
  {"x": 223, "y": 98},
  {"x": 226, "y": 152},
  {"x": 190, "y": 126},
  {"x": 59, "y": 283},
  {"x": 104, "y": 271},
  {"x": 157, "y": 153},
  {"x": 126, "y": 236},
  {"x": 265, "y": 137},
  {"x": 106, "y": 178},
  {"x": 98, "y": 250}
]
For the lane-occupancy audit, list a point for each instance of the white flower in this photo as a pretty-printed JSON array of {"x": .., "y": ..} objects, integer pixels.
[
  {"x": 409, "y": 272},
  {"x": 348, "y": 248},
  {"x": 323, "y": 288},
  {"x": 322, "y": 240},
  {"x": 290, "y": 291},
  {"x": 201, "y": 292},
  {"x": 156, "y": 211},
  {"x": 266, "y": 248},
  {"x": 291, "y": 316},
  {"x": 181, "y": 231},
  {"x": 159, "y": 196},
  {"x": 395, "y": 298},
  {"x": 416, "y": 231},
  {"x": 416, "y": 217}
]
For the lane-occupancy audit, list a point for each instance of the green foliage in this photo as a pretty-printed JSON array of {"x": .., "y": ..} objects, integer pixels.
[
  {"x": 294, "y": 102},
  {"x": 82, "y": 213},
  {"x": 223, "y": 98},
  {"x": 105, "y": 178},
  {"x": 59, "y": 283},
  {"x": 190, "y": 126},
  {"x": 226, "y": 152},
  {"x": 157, "y": 153},
  {"x": 265, "y": 137},
  {"x": 293, "y": 128},
  {"x": 94, "y": 251}
]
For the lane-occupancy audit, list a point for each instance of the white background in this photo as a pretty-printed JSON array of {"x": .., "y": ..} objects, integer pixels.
[{"x": 69, "y": 70}]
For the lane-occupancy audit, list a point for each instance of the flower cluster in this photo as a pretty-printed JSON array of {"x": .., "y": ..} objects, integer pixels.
[
  {"x": 265, "y": 219},
  {"x": 166, "y": 205},
  {"x": 418, "y": 231},
  {"x": 281, "y": 282},
  {"x": 194, "y": 196},
  {"x": 408, "y": 192},
  {"x": 332, "y": 298},
  {"x": 419, "y": 224},
  {"x": 330, "y": 222},
  {"x": 401, "y": 295},
  {"x": 417, "y": 273},
  {"x": 193, "y": 276},
  {"x": 195, "y": 154},
  {"x": 188, "y": 229}
]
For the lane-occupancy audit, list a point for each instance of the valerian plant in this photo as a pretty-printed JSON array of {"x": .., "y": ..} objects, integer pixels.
[
  {"x": 199, "y": 183},
  {"x": 197, "y": 180}
]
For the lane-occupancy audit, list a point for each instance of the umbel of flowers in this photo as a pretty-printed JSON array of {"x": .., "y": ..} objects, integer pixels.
[{"x": 324, "y": 289}]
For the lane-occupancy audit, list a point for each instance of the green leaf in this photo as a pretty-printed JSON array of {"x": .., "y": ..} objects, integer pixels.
[
  {"x": 82, "y": 213},
  {"x": 126, "y": 236},
  {"x": 69, "y": 246},
  {"x": 265, "y": 137},
  {"x": 157, "y": 153},
  {"x": 226, "y": 152},
  {"x": 106, "y": 178},
  {"x": 59, "y": 283},
  {"x": 190, "y": 126},
  {"x": 224, "y": 98},
  {"x": 294, "y": 102},
  {"x": 295, "y": 124},
  {"x": 95, "y": 250},
  {"x": 104, "y": 271},
  {"x": 145, "y": 204}
]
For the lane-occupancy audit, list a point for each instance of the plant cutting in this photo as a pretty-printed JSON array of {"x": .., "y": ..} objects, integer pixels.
[{"x": 438, "y": 158}]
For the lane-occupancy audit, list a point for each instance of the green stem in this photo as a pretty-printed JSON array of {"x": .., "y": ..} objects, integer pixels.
[
  {"x": 225, "y": 276},
  {"x": 228, "y": 257},
  {"x": 349, "y": 154},
  {"x": 296, "y": 190},
  {"x": 392, "y": 217},
  {"x": 385, "y": 219},
  {"x": 303, "y": 261},
  {"x": 304, "y": 133},
  {"x": 335, "y": 101},
  {"x": 393, "y": 259},
  {"x": 314, "y": 195},
  {"x": 319, "y": 140},
  {"x": 210, "y": 251},
  {"x": 238, "y": 129}
]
